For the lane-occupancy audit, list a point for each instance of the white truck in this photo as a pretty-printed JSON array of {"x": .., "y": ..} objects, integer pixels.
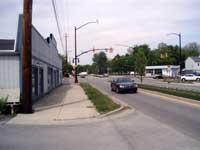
[{"x": 83, "y": 74}]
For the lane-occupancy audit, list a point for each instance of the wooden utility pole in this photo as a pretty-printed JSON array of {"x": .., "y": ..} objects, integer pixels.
[{"x": 26, "y": 101}]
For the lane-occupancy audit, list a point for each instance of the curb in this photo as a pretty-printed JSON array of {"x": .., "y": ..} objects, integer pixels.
[
  {"x": 122, "y": 108},
  {"x": 123, "y": 105}
]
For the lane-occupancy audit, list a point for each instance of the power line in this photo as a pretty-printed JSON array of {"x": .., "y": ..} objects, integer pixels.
[
  {"x": 67, "y": 13},
  {"x": 57, "y": 23}
]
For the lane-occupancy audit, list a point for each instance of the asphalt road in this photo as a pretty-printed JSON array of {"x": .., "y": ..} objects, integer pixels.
[
  {"x": 182, "y": 117},
  {"x": 153, "y": 124}
]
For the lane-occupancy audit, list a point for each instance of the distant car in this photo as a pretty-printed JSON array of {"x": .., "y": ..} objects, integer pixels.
[
  {"x": 67, "y": 75},
  {"x": 123, "y": 84},
  {"x": 83, "y": 74},
  {"x": 158, "y": 76},
  {"x": 106, "y": 75},
  {"x": 190, "y": 77}
]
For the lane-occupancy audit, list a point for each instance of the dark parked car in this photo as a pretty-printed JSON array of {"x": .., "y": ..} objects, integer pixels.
[
  {"x": 158, "y": 76},
  {"x": 123, "y": 84}
]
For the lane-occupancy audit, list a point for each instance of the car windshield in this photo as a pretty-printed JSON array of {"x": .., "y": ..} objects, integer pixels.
[{"x": 123, "y": 80}]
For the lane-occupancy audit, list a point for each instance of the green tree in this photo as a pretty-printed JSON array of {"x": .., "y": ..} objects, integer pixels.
[
  {"x": 120, "y": 64},
  {"x": 144, "y": 48},
  {"x": 100, "y": 60},
  {"x": 140, "y": 63},
  {"x": 66, "y": 67},
  {"x": 191, "y": 49}
]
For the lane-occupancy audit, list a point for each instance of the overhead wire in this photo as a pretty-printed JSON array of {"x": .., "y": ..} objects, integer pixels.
[{"x": 57, "y": 23}]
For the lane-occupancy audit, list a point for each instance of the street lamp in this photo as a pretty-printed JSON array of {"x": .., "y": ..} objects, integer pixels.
[
  {"x": 180, "y": 56},
  {"x": 75, "y": 42}
]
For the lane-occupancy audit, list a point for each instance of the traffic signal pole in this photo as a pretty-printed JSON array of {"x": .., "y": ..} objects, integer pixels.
[
  {"x": 75, "y": 40},
  {"x": 26, "y": 101}
]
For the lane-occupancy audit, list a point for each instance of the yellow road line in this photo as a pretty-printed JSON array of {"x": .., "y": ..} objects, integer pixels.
[{"x": 171, "y": 99}]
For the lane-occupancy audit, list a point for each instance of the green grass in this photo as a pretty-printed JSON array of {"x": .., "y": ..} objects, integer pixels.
[
  {"x": 181, "y": 93},
  {"x": 102, "y": 102}
]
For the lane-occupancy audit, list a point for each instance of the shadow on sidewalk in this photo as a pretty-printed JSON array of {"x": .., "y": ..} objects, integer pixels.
[
  {"x": 59, "y": 105},
  {"x": 55, "y": 97}
]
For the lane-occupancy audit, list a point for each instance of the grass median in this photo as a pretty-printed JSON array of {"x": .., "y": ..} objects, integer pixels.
[
  {"x": 176, "y": 92},
  {"x": 102, "y": 102}
]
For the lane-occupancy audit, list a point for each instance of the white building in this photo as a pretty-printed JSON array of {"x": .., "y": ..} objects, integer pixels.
[
  {"x": 192, "y": 63},
  {"x": 46, "y": 65},
  {"x": 166, "y": 70}
]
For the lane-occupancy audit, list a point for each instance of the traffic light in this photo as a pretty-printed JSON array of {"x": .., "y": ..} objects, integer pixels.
[
  {"x": 93, "y": 50},
  {"x": 110, "y": 50}
]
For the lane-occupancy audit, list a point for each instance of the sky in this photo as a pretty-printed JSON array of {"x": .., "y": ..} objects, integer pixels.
[{"x": 127, "y": 22}]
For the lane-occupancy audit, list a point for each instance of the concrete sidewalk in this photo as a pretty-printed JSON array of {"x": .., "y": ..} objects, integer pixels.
[{"x": 66, "y": 102}]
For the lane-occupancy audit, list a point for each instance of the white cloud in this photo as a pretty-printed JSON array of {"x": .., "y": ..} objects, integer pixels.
[{"x": 120, "y": 22}]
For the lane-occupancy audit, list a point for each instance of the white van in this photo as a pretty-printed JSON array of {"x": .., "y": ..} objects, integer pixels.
[{"x": 83, "y": 74}]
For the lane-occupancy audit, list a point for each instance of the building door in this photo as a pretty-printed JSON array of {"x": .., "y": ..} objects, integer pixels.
[
  {"x": 50, "y": 79},
  {"x": 41, "y": 81},
  {"x": 54, "y": 78},
  {"x": 34, "y": 82}
]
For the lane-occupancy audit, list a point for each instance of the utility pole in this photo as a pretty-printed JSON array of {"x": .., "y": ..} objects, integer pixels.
[
  {"x": 66, "y": 48},
  {"x": 26, "y": 101}
]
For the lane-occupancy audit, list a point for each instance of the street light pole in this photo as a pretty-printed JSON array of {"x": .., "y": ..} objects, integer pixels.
[
  {"x": 180, "y": 53},
  {"x": 75, "y": 42},
  {"x": 75, "y": 47}
]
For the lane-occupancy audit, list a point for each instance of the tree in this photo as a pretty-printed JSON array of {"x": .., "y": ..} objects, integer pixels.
[
  {"x": 100, "y": 60},
  {"x": 140, "y": 63},
  {"x": 144, "y": 48},
  {"x": 191, "y": 49},
  {"x": 66, "y": 67}
]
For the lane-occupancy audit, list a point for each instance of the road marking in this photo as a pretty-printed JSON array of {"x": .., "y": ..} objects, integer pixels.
[{"x": 171, "y": 99}]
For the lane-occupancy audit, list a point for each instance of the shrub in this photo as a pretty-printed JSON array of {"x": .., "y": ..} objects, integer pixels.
[{"x": 3, "y": 105}]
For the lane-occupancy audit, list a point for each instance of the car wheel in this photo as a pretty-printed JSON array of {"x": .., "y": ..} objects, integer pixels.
[
  {"x": 117, "y": 90},
  {"x": 198, "y": 79},
  {"x": 135, "y": 91},
  {"x": 183, "y": 80},
  {"x": 112, "y": 89}
]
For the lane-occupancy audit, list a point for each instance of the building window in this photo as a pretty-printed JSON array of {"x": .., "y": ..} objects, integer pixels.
[
  {"x": 149, "y": 71},
  {"x": 41, "y": 81},
  {"x": 158, "y": 71}
]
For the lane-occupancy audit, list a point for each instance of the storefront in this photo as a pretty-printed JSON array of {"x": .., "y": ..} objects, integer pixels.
[
  {"x": 46, "y": 66},
  {"x": 166, "y": 70}
]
